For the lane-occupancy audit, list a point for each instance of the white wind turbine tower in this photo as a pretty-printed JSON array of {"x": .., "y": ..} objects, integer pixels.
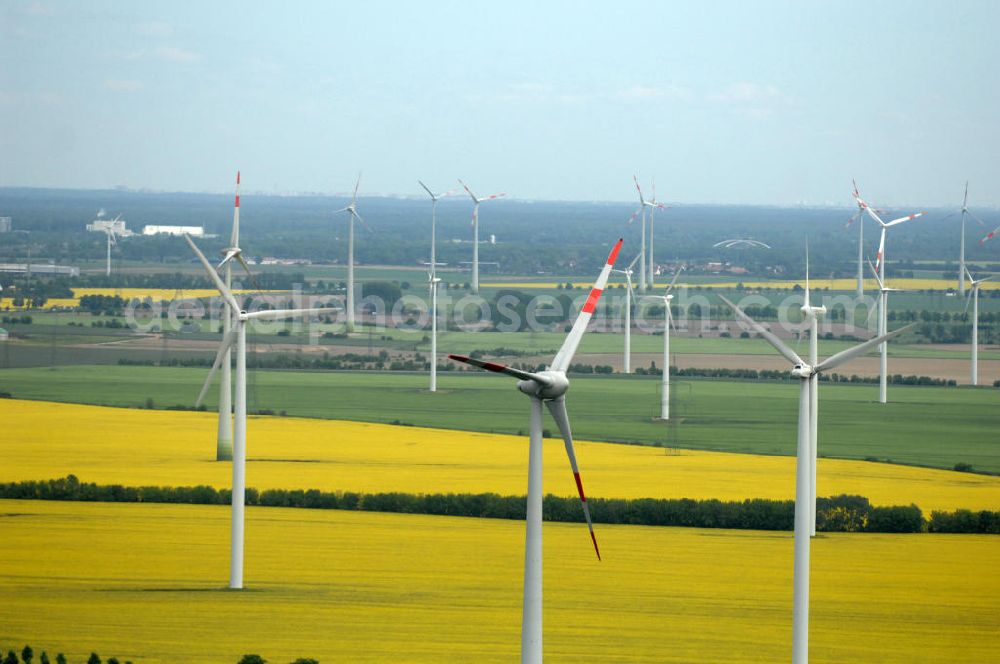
[
  {"x": 880, "y": 264},
  {"x": 238, "y": 336},
  {"x": 668, "y": 321},
  {"x": 352, "y": 214},
  {"x": 803, "y": 491},
  {"x": 110, "y": 232},
  {"x": 433, "y": 281},
  {"x": 974, "y": 284},
  {"x": 643, "y": 204},
  {"x": 811, "y": 314},
  {"x": 475, "y": 231},
  {"x": 224, "y": 440},
  {"x": 548, "y": 387},
  {"x": 629, "y": 302},
  {"x": 964, "y": 211}
]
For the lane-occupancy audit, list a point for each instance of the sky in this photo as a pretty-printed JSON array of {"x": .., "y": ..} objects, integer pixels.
[{"x": 765, "y": 102}]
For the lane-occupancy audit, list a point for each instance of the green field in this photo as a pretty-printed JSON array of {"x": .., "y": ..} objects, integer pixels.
[{"x": 929, "y": 426}]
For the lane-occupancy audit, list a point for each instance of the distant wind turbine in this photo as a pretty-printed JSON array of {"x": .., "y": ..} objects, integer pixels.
[
  {"x": 352, "y": 214},
  {"x": 224, "y": 440},
  {"x": 643, "y": 204},
  {"x": 629, "y": 303},
  {"x": 112, "y": 240},
  {"x": 803, "y": 485},
  {"x": 668, "y": 322},
  {"x": 548, "y": 387},
  {"x": 964, "y": 211},
  {"x": 880, "y": 264},
  {"x": 238, "y": 336},
  {"x": 475, "y": 231},
  {"x": 974, "y": 298},
  {"x": 433, "y": 281}
]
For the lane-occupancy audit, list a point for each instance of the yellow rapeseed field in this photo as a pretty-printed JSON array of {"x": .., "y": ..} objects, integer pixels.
[
  {"x": 145, "y": 582},
  {"x": 156, "y": 294},
  {"x": 832, "y": 284},
  {"x": 43, "y": 440}
]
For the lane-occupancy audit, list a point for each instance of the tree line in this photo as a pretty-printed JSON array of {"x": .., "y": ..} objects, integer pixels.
[{"x": 842, "y": 513}]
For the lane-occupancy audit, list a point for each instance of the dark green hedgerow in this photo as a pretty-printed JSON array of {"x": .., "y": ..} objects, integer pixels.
[{"x": 836, "y": 514}]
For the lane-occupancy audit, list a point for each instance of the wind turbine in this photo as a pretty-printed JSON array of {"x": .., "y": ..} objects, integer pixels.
[
  {"x": 110, "y": 232},
  {"x": 643, "y": 204},
  {"x": 548, "y": 387},
  {"x": 974, "y": 297},
  {"x": 859, "y": 216},
  {"x": 964, "y": 211},
  {"x": 668, "y": 321},
  {"x": 880, "y": 264},
  {"x": 811, "y": 314},
  {"x": 629, "y": 301},
  {"x": 475, "y": 232},
  {"x": 433, "y": 281},
  {"x": 654, "y": 204},
  {"x": 224, "y": 440},
  {"x": 238, "y": 336},
  {"x": 803, "y": 485},
  {"x": 352, "y": 214}
]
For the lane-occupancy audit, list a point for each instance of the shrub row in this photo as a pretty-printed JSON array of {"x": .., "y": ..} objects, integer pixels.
[{"x": 835, "y": 514}]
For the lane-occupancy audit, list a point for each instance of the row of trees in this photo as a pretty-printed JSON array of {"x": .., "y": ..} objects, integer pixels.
[
  {"x": 28, "y": 657},
  {"x": 835, "y": 514}
]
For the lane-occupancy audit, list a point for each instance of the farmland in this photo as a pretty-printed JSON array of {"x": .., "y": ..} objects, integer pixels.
[
  {"x": 918, "y": 426},
  {"x": 128, "y": 579},
  {"x": 177, "y": 448}
]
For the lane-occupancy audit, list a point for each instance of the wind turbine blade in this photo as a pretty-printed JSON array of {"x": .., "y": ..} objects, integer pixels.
[
  {"x": 989, "y": 236},
  {"x": 468, "y": 191},
  {"x": 674, "y": 280},
  {"x": 565, "y": 354},
  {"x": 778, "y": 344},
  {"x": 981, "y": 222},
  {"x": 343, "y": 209},
  {"x": 834, "y": 361},
  {"x": 965, "y": 199},
  {"x": 634, "y": 215},
  {"x": 558, "y": 409},
  {"x": 475, "y": 215},
  {"x": 234, "y": 236},
  {"x": 427, "y": 190},
  {"x": 634, "y": 261},
  {"x": 501, "y": 368},
  {"x": 285, "y": 314},
  {"x": 642, "y": 201},
  {"x": 881, "y": 249},
  {"x": 363, "y": 222},
  {"x": 354, "y": 198},
  {"x": 494, "y": 196},
  {"x": 227, "y": 342},
  {"x": 968, "y": 299},
  {"x": 903, "y": 219},
  {"x": 969, "y": 274},
  {"x": 214, "y": 276},
  {"x": 878, "y": 278},
  {"x": 854, "y": 217}
]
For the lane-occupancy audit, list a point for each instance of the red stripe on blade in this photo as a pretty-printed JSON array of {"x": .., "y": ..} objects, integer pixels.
[
  {"x": 238, "y": 201},
  {"x": 491, "y": 366},
  {"x": 591, "y": 303},
  {"x": 579, "y": 486},
  {"x": 613, "y": 256},
  {"x": 593, "y": 538}
]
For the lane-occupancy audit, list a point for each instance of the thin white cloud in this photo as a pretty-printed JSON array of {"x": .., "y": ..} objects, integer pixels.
[
  {"x": 640, "y": 93},
  {"x": 154, "y": 28},
  {"x": 38, "y": 9},
  {"x": 174, "y": 54},
  {"x": 122, "y": 85},
  {"x": 750, "y": 93}
]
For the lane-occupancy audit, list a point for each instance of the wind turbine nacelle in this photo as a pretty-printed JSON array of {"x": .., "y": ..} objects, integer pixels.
[
  {"x": 813, "y": 311},
  {"x": 802, "y": 371},
  {"x": 557, "y": 387}
]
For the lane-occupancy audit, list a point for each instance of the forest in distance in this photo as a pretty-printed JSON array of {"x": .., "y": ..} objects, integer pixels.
[{"x": 532, "y": 237}]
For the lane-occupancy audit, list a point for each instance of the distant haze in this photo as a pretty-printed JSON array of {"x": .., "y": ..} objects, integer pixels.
[{"x": 777, "y": 102}]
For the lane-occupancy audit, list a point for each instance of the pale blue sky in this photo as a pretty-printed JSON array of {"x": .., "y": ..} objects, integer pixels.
[{"x": 723, "y": 102}]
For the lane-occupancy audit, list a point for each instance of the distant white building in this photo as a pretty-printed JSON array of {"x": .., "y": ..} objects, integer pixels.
[
  {"x": 39, "y": 268},
  {"x": 196, "y": 231},
  {"x": 5, "y": 225}
]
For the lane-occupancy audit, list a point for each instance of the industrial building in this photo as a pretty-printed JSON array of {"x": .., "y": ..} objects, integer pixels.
[
  {"x": 195, "y": 231},
  {"x": 47, "y": 269}
]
